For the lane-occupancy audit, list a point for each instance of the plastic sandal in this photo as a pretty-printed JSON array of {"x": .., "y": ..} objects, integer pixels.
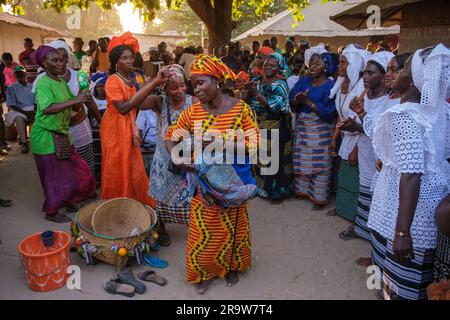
[
  {"x": 349, "y": 235},
  {"x": 155, "y": 262},
  {"x": 151, "y": 276},
  {"x": 114, "y": 287},
  {"x": 126, "y": 277}
]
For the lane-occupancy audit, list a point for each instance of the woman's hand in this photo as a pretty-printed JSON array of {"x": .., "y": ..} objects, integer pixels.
[
  {"x": 348, "y": 125},
  {"x": 353, "y": 157},
  {"x": 332, "y": 148},
  {"x": 357, "y": 106},
  {"x": 302, "y": 98},
  {"x": 403, "y": 249},
  {"x": 379, "y": 165},
  {"x": 161, "y": 77},
  {"x": 82, "y": 98}
]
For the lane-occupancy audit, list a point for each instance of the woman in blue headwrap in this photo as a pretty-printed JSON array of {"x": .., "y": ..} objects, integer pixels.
[
  {"x": 314, "y": 127},
  {"x": 268, "y": 96}
]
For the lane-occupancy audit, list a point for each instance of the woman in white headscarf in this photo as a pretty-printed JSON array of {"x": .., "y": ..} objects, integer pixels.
[
  {"x": 410, "y": 139},
  {"x": 80, "y": 130},
  {"x": 348, "y": 86},
  {"x": 170, "y": 189}
]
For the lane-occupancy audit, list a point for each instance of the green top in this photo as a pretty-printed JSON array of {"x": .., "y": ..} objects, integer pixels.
[
  {"x": 79, "y": 55},
  {"x": 48, "y": 92}
]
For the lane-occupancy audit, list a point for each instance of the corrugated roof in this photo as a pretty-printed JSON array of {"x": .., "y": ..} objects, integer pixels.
[
  {"x": 8, "y": 18},
  {"x": 317, "y": 23}
]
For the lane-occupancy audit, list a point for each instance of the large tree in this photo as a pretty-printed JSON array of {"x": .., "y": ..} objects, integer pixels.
[{"x": 219, "y": 16}]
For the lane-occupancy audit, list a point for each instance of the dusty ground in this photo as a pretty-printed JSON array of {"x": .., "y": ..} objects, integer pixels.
[{"x": 296, "y": 253}]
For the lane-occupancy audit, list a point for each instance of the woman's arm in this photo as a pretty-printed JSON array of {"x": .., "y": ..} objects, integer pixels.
[
  {"x": 152, "y": 103},
  {"x": 58, "y": 107},
  {"x": 92, "y": 107},
  {"x": 138, "y": 98}
]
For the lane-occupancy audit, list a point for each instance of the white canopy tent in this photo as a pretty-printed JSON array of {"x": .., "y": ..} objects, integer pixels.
[{"x": 316, "y": 27}]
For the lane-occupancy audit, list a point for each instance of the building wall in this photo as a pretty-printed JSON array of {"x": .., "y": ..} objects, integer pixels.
[
  {"x": 11, "y": 38},
  {"x": 424, "y": 24}
]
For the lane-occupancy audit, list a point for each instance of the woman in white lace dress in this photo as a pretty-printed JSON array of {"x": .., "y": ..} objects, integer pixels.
[{"x": 410, "y": 140}]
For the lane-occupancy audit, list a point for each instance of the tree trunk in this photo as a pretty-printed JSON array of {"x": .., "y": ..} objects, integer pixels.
[{"x": 216, "y": 18}]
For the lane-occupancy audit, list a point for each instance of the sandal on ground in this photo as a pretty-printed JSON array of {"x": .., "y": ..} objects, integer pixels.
[
  {"x": 5, "y": 203},
  {"x": 332, "y": 213},
  {"x": 24, "y": 149},
  {"x": 127, "y": 277},
  {"x": 151, "y": 276},
  {"x": 318, "y": 207},
  {"x": 114, "y": 287},
  {"x": 202, "y": 287},
  {"x": 58, "y": 218},
  {"x": 5, "y": 146},
  {"x": 364, "y": 262},
  {"x": 155, "y": 262},
  {"x": 349, "y": 234},
  {"x": 3, "y": 152}
]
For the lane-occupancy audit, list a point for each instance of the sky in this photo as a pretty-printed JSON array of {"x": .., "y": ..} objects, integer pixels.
[{"x": 131, "y": 21}]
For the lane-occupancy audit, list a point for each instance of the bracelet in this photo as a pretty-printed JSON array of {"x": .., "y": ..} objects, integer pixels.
[
  {"x": 402, "y": 234},
  {"x": 362, "y": 114}
]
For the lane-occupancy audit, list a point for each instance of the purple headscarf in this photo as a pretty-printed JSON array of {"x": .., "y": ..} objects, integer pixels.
[{"x": 37, "y": 57}]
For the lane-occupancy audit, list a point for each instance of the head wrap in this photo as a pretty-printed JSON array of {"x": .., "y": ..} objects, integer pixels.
[
  {"x": 382, "y": 59},
  {"x": 126, "y": 39},
  {"x": 174, "y": 71},
  {"x": 19, "y": 69},
  {"x": 243, "y": 76},
  {"x": 312, "y": 51},
  {"x": 331, "y": 62},
  {"x": 281, "y": 62},
  {"x": 288, "y": 40},
  {"x": 96, "y": 78},
  {"x": 59, "y": 44},
  {"x": 357, "y": 59},
  {"x": 211, "y": 66},
  {"x": 266, "y": 51},
  {"x": 38, "y": 56},
  {"x": 153, "y": 49}
]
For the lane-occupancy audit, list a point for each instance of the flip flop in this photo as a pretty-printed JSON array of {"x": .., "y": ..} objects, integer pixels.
[
  {"x": 151, "y": 276},
  {"x": 155, "y": 262},
  {"x": 164, "y": 240},
  {"x": 114, "y": 287},
  {"x": 126, "y": 277},
  {"x": 5, "y": 203}
]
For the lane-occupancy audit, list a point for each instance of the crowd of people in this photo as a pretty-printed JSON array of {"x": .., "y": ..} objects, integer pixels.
[{"x": 373, "y": 128}]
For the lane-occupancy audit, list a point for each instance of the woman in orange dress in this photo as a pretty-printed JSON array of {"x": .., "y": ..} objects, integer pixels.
[
  {"x": 123, "y": 172},
  {"x": 218, "y": 244}
]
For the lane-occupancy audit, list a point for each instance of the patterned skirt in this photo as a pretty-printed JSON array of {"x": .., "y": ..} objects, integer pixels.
[
  {"x": 402, "y": 282},
  {"x": 87, "y": 154},
  {"x": 64, "y": 181},
  {"x": 362, "y": 216},
  {"x": 312, "y": 164},
  {"x": 442, "y": 260},
  {"x": 347, "y": 191},
  {"x": 172, "y": 214},
  {"x": 218, "y": 241}
]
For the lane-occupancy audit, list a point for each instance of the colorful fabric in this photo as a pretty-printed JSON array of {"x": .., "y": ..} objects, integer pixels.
[
  {"x": 212, "y": 241},
  {"x": 123, "y": 171},
  {"x": 244, "y": 76},
  {"x": 64, "y": 181},
  {"x": 171, "y": 191},
  {"x": 402, "y": 282},
  {"x": 277, "y": 95},
  {"x": 281, "y": 62},
  {"x": 8, "y": 72},
  {"x": 126, "y": 39},
  {"x": 25, "y": 55},
  {"x": 312, "y": 164},
  {"x": 175, "y": 71},
  {"x": 364, "y": 200},
  {"x": 331, "y": 63},
  {"x": 97, "y": 147},
  {"x": 266, "y": 51},
  {"x": 211, "y": 66},
  {"x": 38, "y": 56},
  {"x": 442, "y": 259},
  {"x": 347, "y": 191},
  {"x": 103, "y": 61},
  {"x": 97, "y": 78},
  {"x": 19, "y": 69},
  {"x": 87, "y": 154},
  {"x": 48, "y": 92}
]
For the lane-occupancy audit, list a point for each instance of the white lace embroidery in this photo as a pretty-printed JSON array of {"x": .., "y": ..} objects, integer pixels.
[{"x": 399, "y": 139}]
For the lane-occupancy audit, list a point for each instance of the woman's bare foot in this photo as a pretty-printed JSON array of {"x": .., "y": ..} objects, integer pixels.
[
  {"x": 232, "y": 278},
  {"x": 318, "y": 207},
  {"x": 332, "y": 213},
  {"x": 202, "y": 286},
  {"x": 364, "y": 262}
]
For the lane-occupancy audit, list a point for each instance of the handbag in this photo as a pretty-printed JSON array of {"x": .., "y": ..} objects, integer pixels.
[{"x": 63, "y": 146}]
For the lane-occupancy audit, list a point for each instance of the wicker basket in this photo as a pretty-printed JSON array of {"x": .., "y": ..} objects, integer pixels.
[{"x": 83, "y": 221}]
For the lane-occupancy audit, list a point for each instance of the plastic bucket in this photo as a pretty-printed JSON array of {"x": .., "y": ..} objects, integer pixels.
[{"x": 45, "y": 267}]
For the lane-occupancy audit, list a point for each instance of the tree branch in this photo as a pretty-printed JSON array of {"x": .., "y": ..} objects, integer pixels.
[{"x": 203, "y": 9}]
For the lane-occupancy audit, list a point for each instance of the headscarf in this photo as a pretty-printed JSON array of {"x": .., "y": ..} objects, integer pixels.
[
  {"x": 288, "y": 40},
  {"x": 312, "y": 51},
  {"x": 211, "y": 66},
  {"x": 382, "y": 59},
  {"x": 243, "y": 76},
  {"x": 98, "y": 78},
  {"x": 331, "y": 61},
  {"x": 357, "y": 59},
  {"x": 126, "y": 39},
  {"x": 59, "y": 44},
  {"x": 281, "y": 62},
  {"x": 266, "y": 51},
  {"x": 38, "y": 56},
  {"x": 175, "y": 71}
]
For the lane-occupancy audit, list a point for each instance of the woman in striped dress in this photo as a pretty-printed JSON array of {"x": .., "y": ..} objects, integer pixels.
[
  {"x": 218, "y": 243},
  {"x": 314, "y": 129},
  {"x": 348, "y": 86}
]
